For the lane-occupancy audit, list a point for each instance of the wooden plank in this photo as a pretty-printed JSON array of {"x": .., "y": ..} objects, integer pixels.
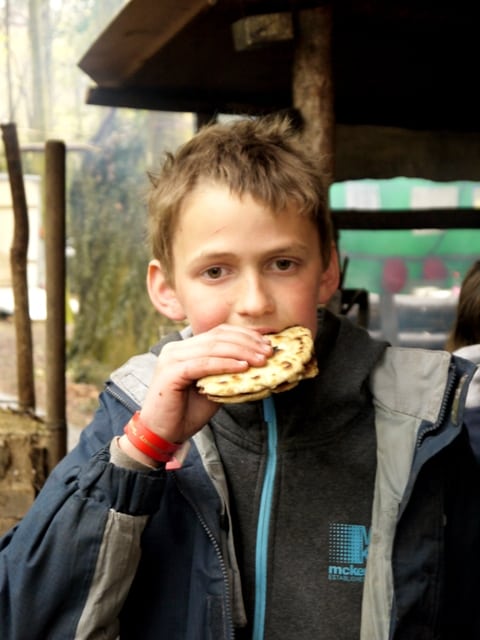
[
  {"x": 194, "y": 100},
  {"x": 138, "y": 31},
  {"x": 256, "y": 31}
]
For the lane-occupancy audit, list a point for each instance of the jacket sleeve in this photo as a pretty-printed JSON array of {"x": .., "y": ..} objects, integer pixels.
[{"x": 66, "y": 569}]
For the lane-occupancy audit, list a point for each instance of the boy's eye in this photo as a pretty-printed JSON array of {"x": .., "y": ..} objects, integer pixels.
[
  {"x": 213, "y": 273},
  {"x": 283, "y": 264}
]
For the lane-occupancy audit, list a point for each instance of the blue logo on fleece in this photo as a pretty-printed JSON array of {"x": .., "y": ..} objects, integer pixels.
[{"x": 347, "y": 552}]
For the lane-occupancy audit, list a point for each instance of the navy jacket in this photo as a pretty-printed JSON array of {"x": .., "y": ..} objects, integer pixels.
[{"x": 108, "y": 550}]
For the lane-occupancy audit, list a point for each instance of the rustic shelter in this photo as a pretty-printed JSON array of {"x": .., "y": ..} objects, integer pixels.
[{"x": 401, "y": 76}]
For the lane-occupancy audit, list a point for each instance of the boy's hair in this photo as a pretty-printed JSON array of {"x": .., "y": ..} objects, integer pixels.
[
  {"x": 466, "y": 327},
  {"x": 262, "y": 157}
]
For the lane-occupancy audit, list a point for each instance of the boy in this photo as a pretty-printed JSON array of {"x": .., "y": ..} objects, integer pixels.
[{"x": 263, "y": 531}]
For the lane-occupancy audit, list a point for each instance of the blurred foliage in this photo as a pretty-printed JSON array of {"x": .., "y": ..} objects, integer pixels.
[
  {"x": 108, "y": 236},
  {"x": 109, "y": 154}
]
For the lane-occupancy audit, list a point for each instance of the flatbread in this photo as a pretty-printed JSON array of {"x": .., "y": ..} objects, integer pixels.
[{"x": 292, "y": 360}]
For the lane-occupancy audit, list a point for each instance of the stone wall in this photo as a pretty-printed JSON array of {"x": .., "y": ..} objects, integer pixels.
[{"x": 24, "y": 464}]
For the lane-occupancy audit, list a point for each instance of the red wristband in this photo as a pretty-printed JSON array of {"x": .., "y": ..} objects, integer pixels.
[
  {"x": 148, "y": 442},
  {"x": 152, "y": 438},
  {"x": 144, "y": 447}
]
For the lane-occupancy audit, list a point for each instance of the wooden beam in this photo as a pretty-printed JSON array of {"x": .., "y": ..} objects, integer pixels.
[
  {"x": 388, "y": 152},
  {"x": 18, "y": 263},
  {"x": 257, "y": 31},
  {"x": 407, "y": 219},
  {"x": 313, "y": 84},
  {"x": 130, "y": 39},
  {"x": 360, "y": 151},
  {"x": 191, "y": 100},
  {"x": 55, "y": 223}
]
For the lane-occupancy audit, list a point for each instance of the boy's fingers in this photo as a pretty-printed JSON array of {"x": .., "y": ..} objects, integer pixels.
[{"x": 220, "y": 351}]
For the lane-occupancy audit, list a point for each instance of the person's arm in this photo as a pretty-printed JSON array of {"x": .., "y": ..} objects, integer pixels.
[
  {"x": 67, "y": 567},
  {"x": 65, "y": 571},
  {"x": 173, "y": 409}
]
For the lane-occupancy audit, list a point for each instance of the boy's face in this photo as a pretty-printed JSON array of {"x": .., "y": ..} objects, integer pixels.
[{"x": 236, "y": 262}]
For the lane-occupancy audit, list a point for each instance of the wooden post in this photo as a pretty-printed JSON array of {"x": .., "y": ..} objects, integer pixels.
[
  {"x": 55, "y": 285},
  {"x": 313, "y": 84},
  {"x": 18, "y": 262}
]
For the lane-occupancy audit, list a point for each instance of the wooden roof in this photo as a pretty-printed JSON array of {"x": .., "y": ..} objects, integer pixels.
[
  {"x": 405, "y": 64},
  {"x": 405, "y": 75}
]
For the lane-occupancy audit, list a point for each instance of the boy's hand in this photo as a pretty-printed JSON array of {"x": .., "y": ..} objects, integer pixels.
[{"x": 173, "y": 408}]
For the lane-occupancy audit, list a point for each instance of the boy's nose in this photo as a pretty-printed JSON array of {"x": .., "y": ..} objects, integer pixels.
[{"x": 253, "y": 298}]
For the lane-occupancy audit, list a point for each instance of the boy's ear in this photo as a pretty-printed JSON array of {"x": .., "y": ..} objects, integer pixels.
[
  {"x": 330, "y": 279},
  {"x": 162, "y": 294}
]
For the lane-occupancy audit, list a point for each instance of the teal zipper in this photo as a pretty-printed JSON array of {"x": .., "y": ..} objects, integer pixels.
[{"x": 261, "y": 550}]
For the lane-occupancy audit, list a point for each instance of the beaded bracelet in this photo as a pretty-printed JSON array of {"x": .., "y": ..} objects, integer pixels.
[{"x": 149, "y": 443}]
